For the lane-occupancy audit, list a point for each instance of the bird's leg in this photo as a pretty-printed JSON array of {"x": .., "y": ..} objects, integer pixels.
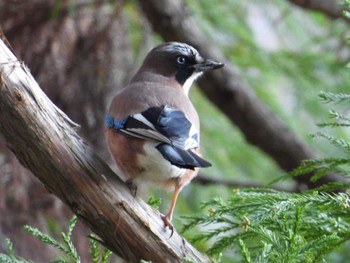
[
  {"x": 167, "y": 218},
  {"x": 132, "y": 187}
]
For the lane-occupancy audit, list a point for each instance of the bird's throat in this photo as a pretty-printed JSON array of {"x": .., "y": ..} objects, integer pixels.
[{"x": 188, "y": 83}]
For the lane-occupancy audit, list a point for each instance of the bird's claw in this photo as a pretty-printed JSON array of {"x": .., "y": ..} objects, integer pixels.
[
  {"x": 132, "y": 187},
  {"x": 168, "y": 224}
]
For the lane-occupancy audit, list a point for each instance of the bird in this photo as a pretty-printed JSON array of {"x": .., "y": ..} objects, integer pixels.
[{"x": 152, "y": 128}]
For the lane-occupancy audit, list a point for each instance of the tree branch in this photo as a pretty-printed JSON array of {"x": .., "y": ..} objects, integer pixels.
[
  {"x": 330, "y": 8},
  {"x": 204, "y": 179},
  {"x": 230, "y": 93},
  {"x": 45, "y": 141}
]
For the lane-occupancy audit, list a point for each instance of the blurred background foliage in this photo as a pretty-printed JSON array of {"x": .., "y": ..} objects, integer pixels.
[{"x": 287, "y": 54}]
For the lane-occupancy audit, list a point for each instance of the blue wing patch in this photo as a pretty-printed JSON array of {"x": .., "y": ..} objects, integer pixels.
[
  {"x": 113, "y": 123},
  {"x": 168, "y": 126}
]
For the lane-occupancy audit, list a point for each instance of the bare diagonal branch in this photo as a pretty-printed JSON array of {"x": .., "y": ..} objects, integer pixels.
[{"x": 330, "y": 8}]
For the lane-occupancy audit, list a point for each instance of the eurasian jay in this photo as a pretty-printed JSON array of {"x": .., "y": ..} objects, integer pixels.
[{"x": 153, "y": 128}]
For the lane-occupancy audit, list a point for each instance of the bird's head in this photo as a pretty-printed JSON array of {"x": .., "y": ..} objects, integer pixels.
[{"x": 179, "y": 61}]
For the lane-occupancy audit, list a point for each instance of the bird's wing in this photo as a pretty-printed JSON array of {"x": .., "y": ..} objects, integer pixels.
[
  {"x": 170, "y": 127},
  {"x": 162, "y": 124}
]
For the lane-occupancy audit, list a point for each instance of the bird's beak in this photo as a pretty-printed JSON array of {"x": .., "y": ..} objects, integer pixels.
[{"x": 207, "y": 65}]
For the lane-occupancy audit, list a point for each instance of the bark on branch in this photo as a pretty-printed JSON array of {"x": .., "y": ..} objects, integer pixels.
[
  {"x": 46, "y": 142},
  {"x": 230, "y": 93}
]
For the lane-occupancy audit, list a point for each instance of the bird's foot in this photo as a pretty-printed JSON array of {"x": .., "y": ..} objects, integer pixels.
[
  {"x": 132, "y": 187},
  {"x": 167, "y": 223}
]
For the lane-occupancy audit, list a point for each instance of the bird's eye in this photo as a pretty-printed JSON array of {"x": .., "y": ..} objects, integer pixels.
[{"x": 181, "y": 60}]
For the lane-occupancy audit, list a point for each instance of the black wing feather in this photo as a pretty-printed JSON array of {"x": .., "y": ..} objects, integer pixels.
[{"x": 181, "y": 158}]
